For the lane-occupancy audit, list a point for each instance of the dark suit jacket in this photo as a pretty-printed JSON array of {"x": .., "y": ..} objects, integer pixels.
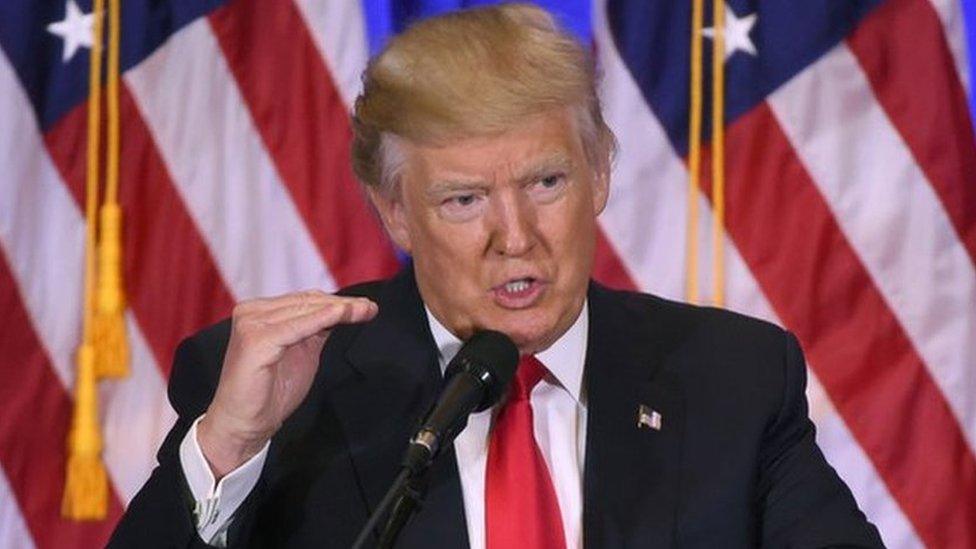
[{"x": 734, "y": 464}]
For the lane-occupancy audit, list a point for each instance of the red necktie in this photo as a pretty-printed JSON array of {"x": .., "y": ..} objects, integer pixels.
[{"x": 521, "y": 509}]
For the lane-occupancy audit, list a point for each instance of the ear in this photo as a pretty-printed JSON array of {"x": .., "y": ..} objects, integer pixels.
[{"x": 391, "y": 209}]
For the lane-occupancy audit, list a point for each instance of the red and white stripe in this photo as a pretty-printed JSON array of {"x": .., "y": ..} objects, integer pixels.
[
  {"x": 13, "y": 530},
  {"x": 43, "y": 226},
  {"x": 235, "y": 196},
  {"x": 39, "y": 226},
  {"x": 340, "y": 37},
  {"x": 236, "y": 183},
  {"x": 950, "y": 15},
  {"x": 890, "y": 214}
]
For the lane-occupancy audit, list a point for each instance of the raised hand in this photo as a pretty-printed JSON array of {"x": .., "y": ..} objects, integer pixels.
[{"x": 271, "y": 360}]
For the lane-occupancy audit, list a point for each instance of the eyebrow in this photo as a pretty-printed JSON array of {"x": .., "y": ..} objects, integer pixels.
[
  {"x": 450, "y": 185},
  {"x": 555, "y": 162}
]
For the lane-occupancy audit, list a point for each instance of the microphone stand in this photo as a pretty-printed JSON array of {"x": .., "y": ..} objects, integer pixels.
[
  {"x": 406, "y": 495},
  {"x": 411, "y": 499}
]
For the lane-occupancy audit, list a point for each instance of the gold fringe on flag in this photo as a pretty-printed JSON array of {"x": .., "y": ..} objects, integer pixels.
[
  {"x": 108, "y": 329},
  {"x": 111, "y": 343},
  {"x": 104, "y": 349},
  {"x": 86, "y": 485}
]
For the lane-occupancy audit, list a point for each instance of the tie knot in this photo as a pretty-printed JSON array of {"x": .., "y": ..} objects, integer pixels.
[{"x": 530, "y": 372}]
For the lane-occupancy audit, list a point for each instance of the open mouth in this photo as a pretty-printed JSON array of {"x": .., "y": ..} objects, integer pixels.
[
  {"x": 518, "y": 292},
  {"x": 518, "y": 286}
]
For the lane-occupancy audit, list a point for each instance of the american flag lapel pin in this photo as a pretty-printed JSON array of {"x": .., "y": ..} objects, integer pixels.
[{"x": 648, "y": 418}]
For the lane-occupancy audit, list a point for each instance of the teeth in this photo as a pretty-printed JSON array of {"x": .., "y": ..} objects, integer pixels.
[{"x": 516, "y": 286}]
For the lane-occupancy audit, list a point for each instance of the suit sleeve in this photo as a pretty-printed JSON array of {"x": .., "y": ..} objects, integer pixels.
[
  {"x": 805, "y": 504},
  {"x": 161, "y": 514}
]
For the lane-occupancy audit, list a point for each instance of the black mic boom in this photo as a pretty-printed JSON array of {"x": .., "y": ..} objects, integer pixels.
[{"x": 474, "y": 380}]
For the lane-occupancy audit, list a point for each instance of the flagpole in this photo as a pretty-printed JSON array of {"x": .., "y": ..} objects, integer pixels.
[{"x": 694, "y": 153}]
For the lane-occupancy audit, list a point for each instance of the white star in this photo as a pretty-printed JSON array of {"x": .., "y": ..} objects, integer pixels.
[
  {"x": 736, "y": 33},
  {"x": 75, "y": 29}
]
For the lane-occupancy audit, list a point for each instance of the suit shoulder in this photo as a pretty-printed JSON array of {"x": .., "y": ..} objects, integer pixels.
[
  {"x": 214, "y": 336},
  {"x": 693, "y": 319},
  {"x": 729, "y": 364},
  {"x": 707, "y": 345},
  {"x": 196, "y": 368}
]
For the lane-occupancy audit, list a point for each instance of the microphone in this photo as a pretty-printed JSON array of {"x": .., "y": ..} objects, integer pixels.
[{"x": 474, "y": 381}]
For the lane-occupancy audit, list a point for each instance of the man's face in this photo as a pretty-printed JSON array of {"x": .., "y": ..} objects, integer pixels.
[{"x": 502, "y": 229}]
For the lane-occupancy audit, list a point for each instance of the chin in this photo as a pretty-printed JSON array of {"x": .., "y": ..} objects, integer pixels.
[{"x": 530, "y": 332}]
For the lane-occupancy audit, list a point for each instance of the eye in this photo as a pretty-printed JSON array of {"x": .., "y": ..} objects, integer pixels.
[
  {"x": 548, "y": 188},
  {"x": 551, "y": 181},
  {"x": 461, "y": 207}
]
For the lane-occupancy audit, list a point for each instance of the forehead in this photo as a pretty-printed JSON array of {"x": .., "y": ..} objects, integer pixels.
[{"x": 544, "y": 139}]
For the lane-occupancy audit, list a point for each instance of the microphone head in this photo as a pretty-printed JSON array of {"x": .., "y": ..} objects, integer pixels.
[{"x": 487, "y": 352}]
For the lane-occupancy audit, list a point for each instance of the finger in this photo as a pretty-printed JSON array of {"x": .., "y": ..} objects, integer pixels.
[
  {"x": 265, "y": 304},
  {"x": 300, "y": 308},
  {"x": 290, "y": 331}
]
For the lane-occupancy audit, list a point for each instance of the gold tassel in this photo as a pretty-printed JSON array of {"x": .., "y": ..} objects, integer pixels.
[
  {"x": 108, "y": 328},
  {"x": 85, "y": 494},
  {"x": 86, "y": 485}
]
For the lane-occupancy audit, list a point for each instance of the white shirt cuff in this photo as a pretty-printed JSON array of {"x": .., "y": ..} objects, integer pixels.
[{"x": 216, "y": 502}]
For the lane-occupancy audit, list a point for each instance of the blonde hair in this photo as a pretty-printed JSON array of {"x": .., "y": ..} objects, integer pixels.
[{"x": 472, "y": 73}]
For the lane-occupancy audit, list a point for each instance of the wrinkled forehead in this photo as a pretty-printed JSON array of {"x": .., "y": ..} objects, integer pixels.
[{"x": 547, "y": 141}]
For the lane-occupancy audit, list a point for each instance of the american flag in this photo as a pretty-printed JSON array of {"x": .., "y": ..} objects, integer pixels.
[{"x": 850, "y": 213}]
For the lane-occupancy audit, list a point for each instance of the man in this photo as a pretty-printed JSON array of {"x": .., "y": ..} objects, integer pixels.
[{"x": 632, "y": 421}]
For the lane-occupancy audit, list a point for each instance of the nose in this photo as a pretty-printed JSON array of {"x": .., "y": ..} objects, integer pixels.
[{"x": 514, "y": 219}]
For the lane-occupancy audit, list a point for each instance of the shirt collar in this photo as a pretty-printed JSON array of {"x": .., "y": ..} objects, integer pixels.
[{"x": 564, "y": 359}]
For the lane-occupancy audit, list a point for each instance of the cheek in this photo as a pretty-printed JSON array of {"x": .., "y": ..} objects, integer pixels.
[
  {"x": 579, "y": 249},
  {"x": 452, "y": 252},
  {"x": 572, "y": 229}
]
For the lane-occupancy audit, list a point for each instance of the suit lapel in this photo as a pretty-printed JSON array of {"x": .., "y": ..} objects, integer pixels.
[
  {"x": 631, "y": 472},
  {"x": 392, "y": 378}
]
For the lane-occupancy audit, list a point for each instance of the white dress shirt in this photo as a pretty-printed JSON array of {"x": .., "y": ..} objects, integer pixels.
[{"x": 559, "y": 418}]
